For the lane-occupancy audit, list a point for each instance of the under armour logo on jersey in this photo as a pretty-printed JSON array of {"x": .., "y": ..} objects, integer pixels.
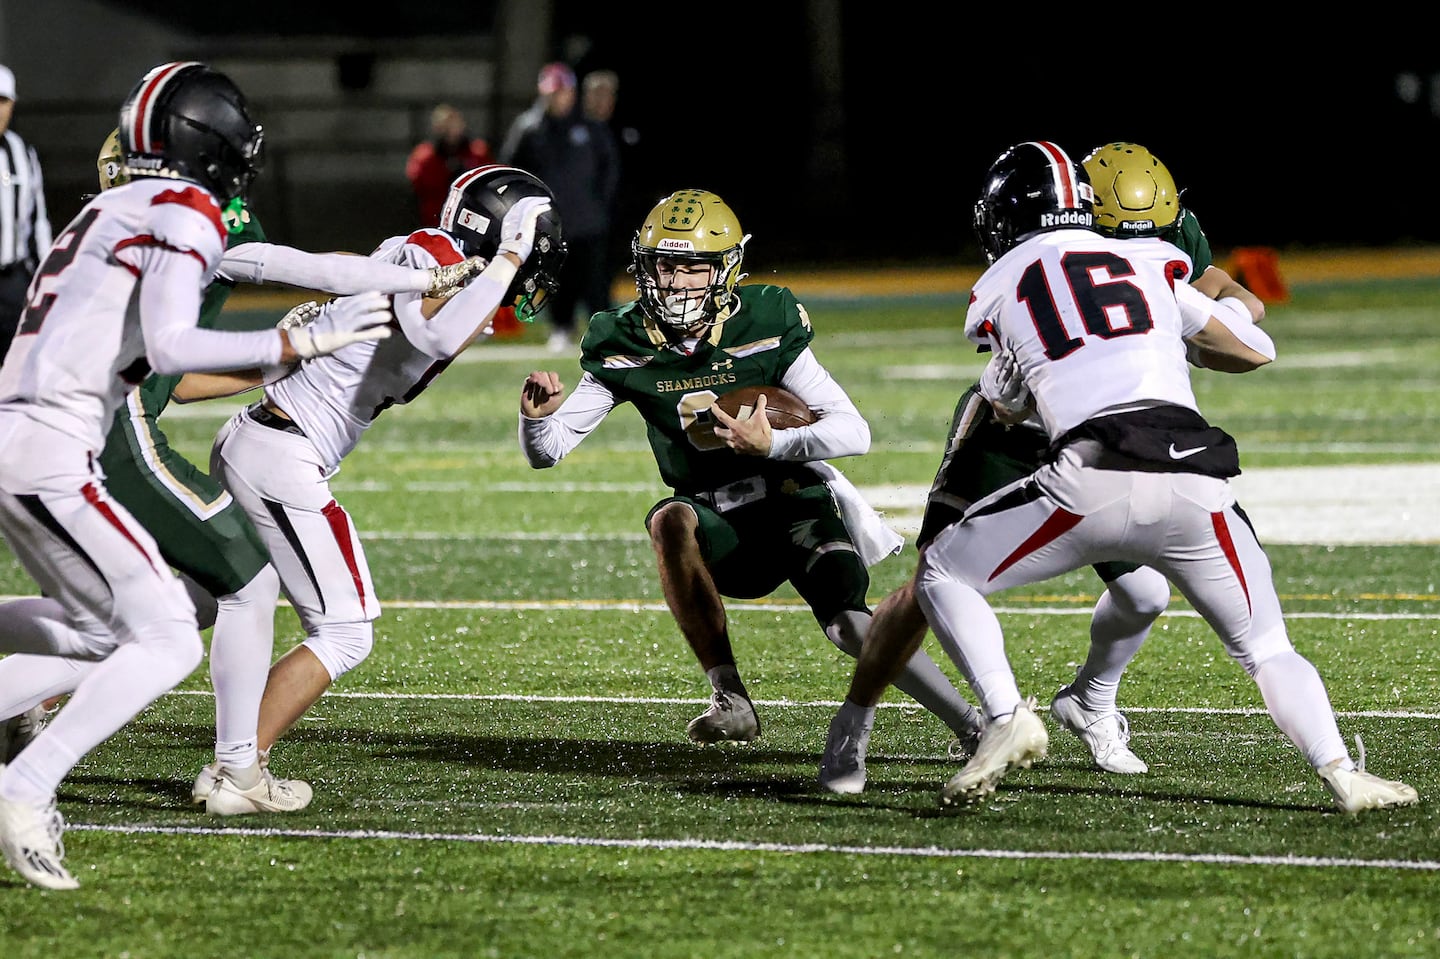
[{"x": 722, "y": 365}]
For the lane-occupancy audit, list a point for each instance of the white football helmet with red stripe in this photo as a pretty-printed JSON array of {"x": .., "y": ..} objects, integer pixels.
[
  {"x": 186, "y": 121},
  {"x": 1032, "y": 187},
  {"x": 474, "y": 212}
]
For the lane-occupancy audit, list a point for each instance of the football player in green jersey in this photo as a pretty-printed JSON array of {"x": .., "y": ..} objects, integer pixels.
[
  {"x": 1135, "y": 196},
  {"x": 751, "y": 507},
  {"x": 200, "y": 530}
]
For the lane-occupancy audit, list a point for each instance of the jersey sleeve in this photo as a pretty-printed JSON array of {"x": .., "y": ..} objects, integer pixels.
[
  {"x": 798, "y": 333},
  {"x": 184, "y": 220},
  {"x": 1193, "y": 241}
]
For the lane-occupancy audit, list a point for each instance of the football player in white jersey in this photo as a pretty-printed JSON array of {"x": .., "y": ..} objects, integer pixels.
[
  {"x": 1092, "y": 333},
  {"x": 200, "y": 531},
  {"x": 119, "y": 294},
  {"x": 270, "y": 455}
]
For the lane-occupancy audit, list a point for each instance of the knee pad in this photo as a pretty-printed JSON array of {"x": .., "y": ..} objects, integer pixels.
[
  {"x": 834, "y": 582},
  {"x": 341, "y": 647},
  {"x": 847, "y": 631},
  {"x": 1143, "y": 593}
]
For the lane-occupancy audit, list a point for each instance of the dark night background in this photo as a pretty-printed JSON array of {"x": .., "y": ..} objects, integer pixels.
[{"x": 1291, "y": 134}]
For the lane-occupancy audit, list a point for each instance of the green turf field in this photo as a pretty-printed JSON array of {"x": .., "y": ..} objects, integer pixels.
[{"x": 508, "y": 774}]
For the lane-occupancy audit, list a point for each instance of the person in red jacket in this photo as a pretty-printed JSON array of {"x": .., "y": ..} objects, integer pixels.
[{"x": 435, "y": 163}]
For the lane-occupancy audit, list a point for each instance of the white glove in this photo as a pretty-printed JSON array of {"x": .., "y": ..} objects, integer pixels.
[
  {"x": 1011, "y": 394},
  {"x": 517, "y": 230},
  {"x": 342, "y": 321},
  {"x": 446, "y": 281},
  {"x": 299, "y": 315}
]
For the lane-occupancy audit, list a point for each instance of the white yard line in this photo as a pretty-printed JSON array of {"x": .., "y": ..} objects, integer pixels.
[{"x": 715, "y": 845}]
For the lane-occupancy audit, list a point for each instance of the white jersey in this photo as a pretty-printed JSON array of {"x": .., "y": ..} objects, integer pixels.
[
  {"x": 335, "y": 398},
  {"x": 1094, "y": 322},
  {"x": 118, "y": 294}
]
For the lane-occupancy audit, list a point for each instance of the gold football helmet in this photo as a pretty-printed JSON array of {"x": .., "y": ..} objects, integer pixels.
[
  {"x": 1135, "y": 194},
  {"x": 111, "y": 162},
  {"x": 695, "y": 227}
]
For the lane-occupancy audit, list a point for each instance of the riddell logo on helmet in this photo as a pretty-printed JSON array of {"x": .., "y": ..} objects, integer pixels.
[
  {"x": 1067, "y": 218},
  {"x": 682, "y": 246},
  {"x": 1137, "y": 226}
]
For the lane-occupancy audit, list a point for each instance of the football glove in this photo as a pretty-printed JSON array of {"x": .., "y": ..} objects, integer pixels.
[
  {"x": 1010, "y": 393},
  {"x": 299, "y": 315},
  {"x": 517, "y": 230},
  {"x": 342, "y": 321},
  {"x": 446, "y": 281}
]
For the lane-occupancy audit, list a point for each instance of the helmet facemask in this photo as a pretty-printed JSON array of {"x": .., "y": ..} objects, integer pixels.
[
  {"x": 685, "y": 232},
  {"x": 667, "y": 297}
]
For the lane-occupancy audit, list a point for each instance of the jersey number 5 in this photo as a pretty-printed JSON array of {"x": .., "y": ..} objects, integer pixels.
[{"x": 1096, "y": 302}]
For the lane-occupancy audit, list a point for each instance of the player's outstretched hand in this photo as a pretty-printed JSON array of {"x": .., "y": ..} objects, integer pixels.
[
  {"x": 1012, "y": 397},
  {"x": 517, "y": 230},
  {"x": 750, "y": 436},
  {"x": 300, "y": 315},
  {"x": 542, "y": 394},
  {"x": 342, "y": 321},
  {"x": 446, "y": 281}
]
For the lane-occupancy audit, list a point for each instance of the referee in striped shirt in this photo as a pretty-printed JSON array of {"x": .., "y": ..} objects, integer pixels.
[{"x": 24, "y": 226}]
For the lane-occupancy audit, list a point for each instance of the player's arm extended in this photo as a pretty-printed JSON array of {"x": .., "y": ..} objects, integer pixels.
[
  {"x": 194, "y": 387},
  {"x": 340, "y": 273},
  {"x": 1223, "y": 332},
  {"x": 169, "y": 302},
  {"x": 442, "y": 328},
  {"x": 545, "y": 440},
  {"x": 839, "y": 429},
  {"x": 1217, "y": 284}
]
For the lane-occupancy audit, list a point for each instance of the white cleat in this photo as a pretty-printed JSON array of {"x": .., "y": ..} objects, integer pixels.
[
  {"x": 1010, "y": 743},
  {"x": 1106, "y": 735},
  {"x": 204, "y": 783},
  {"x": 842, "y": 767},
  {"x": 268, "y": 793},
  {"x": 1355, "y": 790},
  {"x": 31, "y": 840},
  {"x": 730, "y": 719},
  {"x": 17, "y": 732}
]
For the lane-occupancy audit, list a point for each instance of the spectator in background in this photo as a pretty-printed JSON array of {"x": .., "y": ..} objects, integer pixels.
[
  {"x": 24, "y": 226},
  {"x": 600, "y": 90},
  {"x": 577, "y": 157},
  {"x": 435, "y": 163}
]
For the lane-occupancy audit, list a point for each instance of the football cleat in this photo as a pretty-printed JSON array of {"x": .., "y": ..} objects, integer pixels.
[
  {"x": 842, "y": 767},
  {"x": 1355, "y": 790},
  {"x": 1016, "y": 741},
  {"x": 1106, "y": 735},
  {"x": 31, "y": 840},
  {"x": 730, "y": 718},
  {"x": 17, "y": 732},
  {"x": 269, "y": 793}
]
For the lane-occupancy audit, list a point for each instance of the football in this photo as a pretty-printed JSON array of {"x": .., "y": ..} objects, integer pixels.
[{"x": 783, "y": 409}]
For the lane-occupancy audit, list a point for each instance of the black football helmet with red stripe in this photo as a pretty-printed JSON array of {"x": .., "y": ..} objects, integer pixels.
[
  {"x": 1032, "y": 187},
  {"x": 474, "y": 212},
  {"x": 186, "y": 121}
]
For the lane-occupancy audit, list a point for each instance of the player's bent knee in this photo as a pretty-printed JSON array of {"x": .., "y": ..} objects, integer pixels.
[
  {"x": 1143, "y": 593},
  {"x": 341, "y": 647},
  {"x": 1254, "y": 650},
  {"x": 672, "y": 523},
  {"x": 847, "y": 631}
]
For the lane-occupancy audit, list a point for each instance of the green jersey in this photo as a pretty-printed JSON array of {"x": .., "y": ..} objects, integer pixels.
[
  {"x": 198, "y": 527},
  {"x": 156, "y": 391},
  {"x": 674, "y": 391},
  {"x": 1189, "y": 237}
]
